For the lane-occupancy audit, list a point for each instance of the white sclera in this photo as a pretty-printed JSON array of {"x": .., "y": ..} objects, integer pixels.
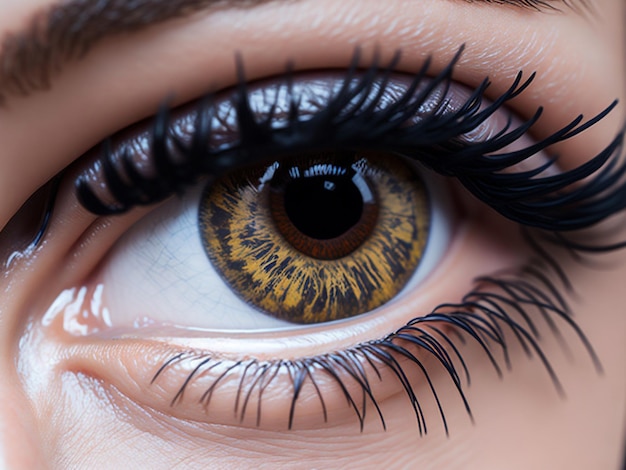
[{"x": 158, "y": 272}]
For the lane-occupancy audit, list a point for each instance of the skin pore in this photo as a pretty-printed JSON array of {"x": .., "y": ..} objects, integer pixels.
[{"x": 74, "y": 400}]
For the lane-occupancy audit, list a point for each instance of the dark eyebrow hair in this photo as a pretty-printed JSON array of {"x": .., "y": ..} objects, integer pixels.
[
  {"x": 541, "y": 4},
  {"x": 67, "y": 31}
]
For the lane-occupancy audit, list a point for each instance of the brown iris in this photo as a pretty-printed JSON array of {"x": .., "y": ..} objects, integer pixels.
[{"x": 318, "y": 237}]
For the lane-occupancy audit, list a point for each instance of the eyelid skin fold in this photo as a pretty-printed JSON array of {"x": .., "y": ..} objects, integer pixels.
[{"x": 46, "y": 36}]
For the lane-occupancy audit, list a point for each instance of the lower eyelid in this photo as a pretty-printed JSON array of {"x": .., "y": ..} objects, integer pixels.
[
  {"x": 235, "y": 400},
  {"x": 129, "y": 363}
]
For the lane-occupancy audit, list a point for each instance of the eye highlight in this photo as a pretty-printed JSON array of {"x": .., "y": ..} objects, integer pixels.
[{"x": 260, "y": 231}]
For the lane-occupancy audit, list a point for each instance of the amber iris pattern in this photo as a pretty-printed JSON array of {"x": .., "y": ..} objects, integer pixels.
[{"x": 319, "y": 237}]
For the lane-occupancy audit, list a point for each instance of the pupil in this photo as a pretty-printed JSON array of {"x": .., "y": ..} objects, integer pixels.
[{"x": 323, "y": 206}]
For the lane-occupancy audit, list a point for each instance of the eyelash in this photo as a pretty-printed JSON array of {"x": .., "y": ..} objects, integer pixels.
[
  {"x": 528, "y": 200},
  {"x": 548, "y": 203},
  {"x": 481, "y": 316},
  {"x": 545, "y": 5}
]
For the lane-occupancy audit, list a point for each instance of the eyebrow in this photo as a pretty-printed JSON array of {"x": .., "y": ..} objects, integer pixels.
[
  {"x": 64, "y": 32},
  {"x": 67, "y": 31}
]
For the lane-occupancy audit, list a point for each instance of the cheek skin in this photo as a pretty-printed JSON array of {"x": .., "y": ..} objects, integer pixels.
[{"x": 20, "y": 438}]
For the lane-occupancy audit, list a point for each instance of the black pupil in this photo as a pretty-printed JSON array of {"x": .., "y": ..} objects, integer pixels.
[{"x": 323, "y": 206}]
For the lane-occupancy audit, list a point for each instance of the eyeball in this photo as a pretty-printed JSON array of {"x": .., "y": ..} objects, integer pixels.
[{"x": 309, "y": 239}]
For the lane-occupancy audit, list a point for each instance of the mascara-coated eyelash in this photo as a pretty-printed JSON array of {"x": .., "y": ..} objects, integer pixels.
[
  {"x": 497, "y": 306},
  {"x": 354, "y": 118}
]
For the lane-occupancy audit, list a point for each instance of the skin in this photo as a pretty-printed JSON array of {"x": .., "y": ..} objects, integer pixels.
[{"x": 69, "y": 401}]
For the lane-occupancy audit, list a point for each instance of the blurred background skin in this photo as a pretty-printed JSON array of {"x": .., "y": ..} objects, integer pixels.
[{"x": 65, "y": 401}]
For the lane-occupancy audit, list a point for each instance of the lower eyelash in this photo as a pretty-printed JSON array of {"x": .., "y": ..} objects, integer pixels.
[{"x": 496, "y": 305}]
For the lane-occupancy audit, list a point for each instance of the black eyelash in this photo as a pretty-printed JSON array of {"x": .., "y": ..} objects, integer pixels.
[
  {"x": 46, "y": 217},
  {"x": 351, "y": 120},
  {"x": 484, "y": 315}
]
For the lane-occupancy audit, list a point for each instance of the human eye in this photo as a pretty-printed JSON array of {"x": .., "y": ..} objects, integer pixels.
[
  {"x": 354, "y": 132},
  {"x": 289, "y": 137},
  {"x": 284, "y": 241},
  {"x": 154, "y": 313}
]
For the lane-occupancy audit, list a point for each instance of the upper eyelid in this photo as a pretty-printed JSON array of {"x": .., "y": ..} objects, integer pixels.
[
  {"x": 366, "y": 63},
  {"x": 538, "y": 196},
  {"x": 61, "y": 34},
  {"x": 138, "y": 99}
]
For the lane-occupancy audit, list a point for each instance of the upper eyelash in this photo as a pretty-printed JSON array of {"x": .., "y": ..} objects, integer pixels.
[
  {"x": 350, "y": 119},
  {"x": 533, "y": 4},
  {"x": 578, "y": 6}
]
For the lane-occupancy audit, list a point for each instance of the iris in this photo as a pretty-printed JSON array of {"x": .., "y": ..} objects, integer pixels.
[{"x": 317, "y": 237}]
